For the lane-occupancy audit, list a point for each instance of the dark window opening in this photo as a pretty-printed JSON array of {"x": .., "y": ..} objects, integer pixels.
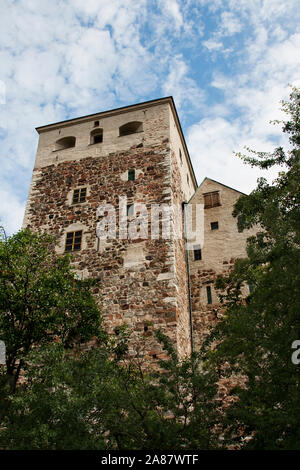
[
  {"x": 130, "y": 128},
  {"x": 188, "y": 179},
  {"x": 214, "y": 225},
  {"x": 211, "y": 199},
  {"x": 97, "y": 136},
  {"x": 96, "y": 123},
  {"x": 251, "y": 288},
  {"x": 197, "y": 253},
  {"x": 65, "y": 143},
  {"x": 180, "y": 156},
  {"x": 98, "y": 139},
  {"x": 145, "y": 328},
  {"x": 208, "y": 293},
  {"x": 79, "y": 195},
  {"x": 131, "y": 175},
  {"x": 73, "y": 241}
]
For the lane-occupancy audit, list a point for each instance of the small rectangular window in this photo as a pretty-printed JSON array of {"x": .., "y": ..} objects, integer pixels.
[
  {"x": 73, "y": 241},
  {"x": 96, "y": 123},
  {"x": 251, "y": 288},
  {"x": 208, "y": 293},
  {"x": 79, "y": 195},
  {"x": 214, "y": 225},
  {"x": 211, "y": 199},
  {"x": 131, "y": 175},
  {"x": 197, "y": 253}
]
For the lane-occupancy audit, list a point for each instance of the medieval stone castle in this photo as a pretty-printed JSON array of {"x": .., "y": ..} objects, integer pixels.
[{"x": 136, "y": 154}]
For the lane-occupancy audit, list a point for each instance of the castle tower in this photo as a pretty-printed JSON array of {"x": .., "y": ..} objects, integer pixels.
[{"x": 118, "y": 158}]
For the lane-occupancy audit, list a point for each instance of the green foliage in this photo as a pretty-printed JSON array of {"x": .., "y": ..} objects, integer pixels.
[
  {"x": 73, "y": 398},
  {"x": 40, "y": 300},
  {"x": 90, "y": 400},
  {"x": 256, "y": 336},
  {"x": 100, "y": 399}
]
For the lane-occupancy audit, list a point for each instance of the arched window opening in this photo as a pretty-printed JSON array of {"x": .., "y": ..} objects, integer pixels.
[
  {"x": 65, "y": 143},
  {"x": 97, "y": 136},
  {"x": 131, "y": 128}
]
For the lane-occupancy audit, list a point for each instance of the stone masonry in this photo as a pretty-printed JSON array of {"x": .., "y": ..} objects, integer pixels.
[
  {"x": 222, "y": 245},
  {"x": 143, "y": 281}
]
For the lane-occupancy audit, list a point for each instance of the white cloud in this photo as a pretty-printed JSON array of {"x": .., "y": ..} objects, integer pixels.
[
  {"x": 230, "y": 23},
  {"x": 12, "y": 210},
  {"x": 185, "y": 91},
  {"x": 172, "y": 9},
  {"x": 63, "y": 59},
  {"x": 2, "y": 92},
  {"x": 212, "y": 45},
  {"x": 212, "y": 144},
  {"x": 266, "y": 60},
  {"x": 71, "y": 58}
]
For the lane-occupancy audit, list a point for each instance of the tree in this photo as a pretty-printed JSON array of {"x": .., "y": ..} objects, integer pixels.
[
  {"x": 73, "y": 398},
  {"x": 256, "y": 336},
  {"x": 97, "y": 401},
  {"x": 41, "y": 301}
]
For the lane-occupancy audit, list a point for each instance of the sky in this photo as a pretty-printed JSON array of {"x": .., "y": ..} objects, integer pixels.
[{"x": 227, "y": 64}]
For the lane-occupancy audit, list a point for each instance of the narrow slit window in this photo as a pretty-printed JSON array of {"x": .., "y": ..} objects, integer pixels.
[
  {"x": 130, "y": 209},
  {"x": 197, "y": 253},
  {"x": 79, "y": 195},
  {"x": 180, "y": 156},
  {"x": 208, "y": 293},
  {"x": 73, "y": 241},
  {"x": 214, "y": 225},
  {"x": 131, "y": 175}
]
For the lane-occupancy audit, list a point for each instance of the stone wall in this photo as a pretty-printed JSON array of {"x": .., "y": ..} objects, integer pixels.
[
  {"x": 142, "y": 282},
  {"x": 220, "y": 249}
]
